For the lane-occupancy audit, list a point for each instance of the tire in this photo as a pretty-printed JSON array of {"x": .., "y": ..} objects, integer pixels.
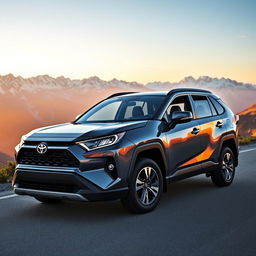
[
  {"x": 145, "y": 188},
  {"x": 47, "y": 200},
  {"x": 226, "y": 171}
]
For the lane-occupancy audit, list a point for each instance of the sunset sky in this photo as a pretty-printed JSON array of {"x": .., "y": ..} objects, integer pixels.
[{"x": 131, "y": 40}]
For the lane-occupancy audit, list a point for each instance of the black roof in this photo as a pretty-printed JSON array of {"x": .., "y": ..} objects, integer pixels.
[
  {"x": 163, "y": 93},
  {"x": 188, "y": 90}
]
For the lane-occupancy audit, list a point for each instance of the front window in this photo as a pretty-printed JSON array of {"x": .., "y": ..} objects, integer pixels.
[
  {"x": 121, "y": 109},
  {"x": 180, "y": 103}
]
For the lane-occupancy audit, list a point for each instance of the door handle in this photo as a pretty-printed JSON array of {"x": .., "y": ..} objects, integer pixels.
[
  {"x": 195, "y": 130},
  {"x": 219, "y": 124}
]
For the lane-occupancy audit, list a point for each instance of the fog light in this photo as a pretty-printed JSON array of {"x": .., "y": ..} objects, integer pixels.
[{"x": 111, "y": 167}]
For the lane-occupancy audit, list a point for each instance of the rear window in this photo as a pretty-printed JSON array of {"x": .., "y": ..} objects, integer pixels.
[{"x": 202, "y": 107}]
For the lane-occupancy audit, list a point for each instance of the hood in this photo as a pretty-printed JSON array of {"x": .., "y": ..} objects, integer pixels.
[{"x": 75, "y": 132}]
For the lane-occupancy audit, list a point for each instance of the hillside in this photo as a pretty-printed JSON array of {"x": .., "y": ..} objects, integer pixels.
[
  {"x": 24, "y": 111},
  {"x": 4, "y": 158},
  {"x": 247, "y": 122}
]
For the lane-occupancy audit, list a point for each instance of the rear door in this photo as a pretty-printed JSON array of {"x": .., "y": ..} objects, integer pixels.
[{"x": 211, "y": 126}]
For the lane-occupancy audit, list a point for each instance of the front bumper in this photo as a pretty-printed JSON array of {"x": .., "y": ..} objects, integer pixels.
[
  {"x": 50, "y": 194},
  {"x": 66, "y": 184},
  {"x": 57, "y": 175}
]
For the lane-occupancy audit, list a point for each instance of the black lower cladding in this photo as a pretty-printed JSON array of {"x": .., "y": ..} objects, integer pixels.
[
  {"x": 64, "y": 182},
  {"x": 53, "y": 157},
  {"x": 67, "y": 188},
  {"x": 49, "y": 181}
]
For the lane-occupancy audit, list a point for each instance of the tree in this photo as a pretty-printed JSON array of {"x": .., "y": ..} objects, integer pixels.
[{"x": 7, "y": 172}]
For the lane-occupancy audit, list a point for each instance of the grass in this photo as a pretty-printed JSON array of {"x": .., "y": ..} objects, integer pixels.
[{"x": 244, "y": 140}]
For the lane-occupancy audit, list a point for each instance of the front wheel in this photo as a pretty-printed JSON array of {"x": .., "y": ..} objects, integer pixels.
[
  {"x": 146, "y": 186},
  {"x": 226, "y": 171}
]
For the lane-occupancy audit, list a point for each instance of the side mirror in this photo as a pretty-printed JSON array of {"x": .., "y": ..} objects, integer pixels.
[{"x": 181, "y": 116}]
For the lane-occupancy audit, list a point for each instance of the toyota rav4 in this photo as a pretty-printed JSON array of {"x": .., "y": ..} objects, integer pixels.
[{"x": 128, "y": 147}]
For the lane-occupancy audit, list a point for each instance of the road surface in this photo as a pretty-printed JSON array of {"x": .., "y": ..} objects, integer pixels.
[{"x": 194, "y": 218}]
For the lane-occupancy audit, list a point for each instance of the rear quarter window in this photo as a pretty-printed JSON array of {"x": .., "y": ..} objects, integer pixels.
[
  {"x": 214, "y": 111},
  {"x": 217, "y": 106}
]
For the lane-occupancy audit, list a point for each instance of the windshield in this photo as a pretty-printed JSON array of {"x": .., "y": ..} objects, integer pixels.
[{"x": 124, "y": 109}]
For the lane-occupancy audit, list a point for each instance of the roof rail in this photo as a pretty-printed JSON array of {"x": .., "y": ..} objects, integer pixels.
[
  {"x": 187, "y": 90},
  {"x": 119, "y": 94}
]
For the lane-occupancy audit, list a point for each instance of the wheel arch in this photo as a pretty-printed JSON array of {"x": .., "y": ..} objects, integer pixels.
[
  {"x": 155, "y": 152},
  {"x": 231, "y": 142}
]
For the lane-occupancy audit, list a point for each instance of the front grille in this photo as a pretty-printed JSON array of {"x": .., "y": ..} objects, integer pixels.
[{"x": 52, "y": 157}]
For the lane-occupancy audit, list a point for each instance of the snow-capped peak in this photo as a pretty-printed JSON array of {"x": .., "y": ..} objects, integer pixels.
[{"x": 14, "y": 84}]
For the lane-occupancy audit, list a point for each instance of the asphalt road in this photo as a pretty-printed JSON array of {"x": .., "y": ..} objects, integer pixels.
[{"x": 194, "y": 218}]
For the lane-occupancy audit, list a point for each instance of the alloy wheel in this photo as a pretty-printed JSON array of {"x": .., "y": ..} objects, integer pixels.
[
  {"x": 228, "y": 166},
  {"x": 147, "y": 185}
]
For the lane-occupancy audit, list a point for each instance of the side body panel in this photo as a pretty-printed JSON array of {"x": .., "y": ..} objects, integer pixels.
[{"x": 183, "y": 146}]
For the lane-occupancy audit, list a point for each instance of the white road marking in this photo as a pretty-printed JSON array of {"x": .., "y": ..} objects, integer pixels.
[
  {"x": 8, "y": 196},
  {"x": 247, "y": 150}
]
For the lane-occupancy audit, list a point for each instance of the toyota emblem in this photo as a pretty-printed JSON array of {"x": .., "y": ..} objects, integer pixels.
[{"x": 41, "y": 148}]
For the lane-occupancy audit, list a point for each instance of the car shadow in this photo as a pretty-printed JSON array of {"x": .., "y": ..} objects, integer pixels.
[
  {"x": 195, "y": 185},
  {"x": 109, "y": 210}
]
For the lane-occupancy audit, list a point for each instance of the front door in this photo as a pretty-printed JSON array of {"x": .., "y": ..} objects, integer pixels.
[{"x": 183, "y": 142}]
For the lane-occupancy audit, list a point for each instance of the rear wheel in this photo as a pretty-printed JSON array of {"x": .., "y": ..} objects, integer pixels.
[
  {"x": 47, "y": 200},
  {"x": 146, "y": 187},
  {"x": 226, "y": 171}
]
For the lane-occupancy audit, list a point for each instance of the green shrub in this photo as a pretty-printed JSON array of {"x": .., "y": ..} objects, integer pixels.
[
  {"x": 246, "y": 140},
  {"x": 7, "y": 172}
]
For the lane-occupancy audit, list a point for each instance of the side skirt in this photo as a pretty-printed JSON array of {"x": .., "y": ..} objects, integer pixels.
[{"x": 193, "y": 170}]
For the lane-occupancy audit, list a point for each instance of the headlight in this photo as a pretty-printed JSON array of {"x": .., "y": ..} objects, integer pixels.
[{"x": 101, "y": 142}]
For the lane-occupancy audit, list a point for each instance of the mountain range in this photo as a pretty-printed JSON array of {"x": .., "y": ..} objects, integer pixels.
[
  {"x": 28, "y": 103},
  {"x": 10, "y": 83}
]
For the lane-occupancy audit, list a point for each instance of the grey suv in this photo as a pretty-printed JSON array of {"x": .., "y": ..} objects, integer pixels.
[{"x": 128, "y": 147}]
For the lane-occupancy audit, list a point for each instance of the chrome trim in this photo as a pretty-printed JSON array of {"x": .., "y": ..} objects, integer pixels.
[
  {"x": 45, "y": 168},
  {"x": 49, "y": 147},
  {"x": 50, "y": 194},
  {"x": 42, "y": 148}
]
